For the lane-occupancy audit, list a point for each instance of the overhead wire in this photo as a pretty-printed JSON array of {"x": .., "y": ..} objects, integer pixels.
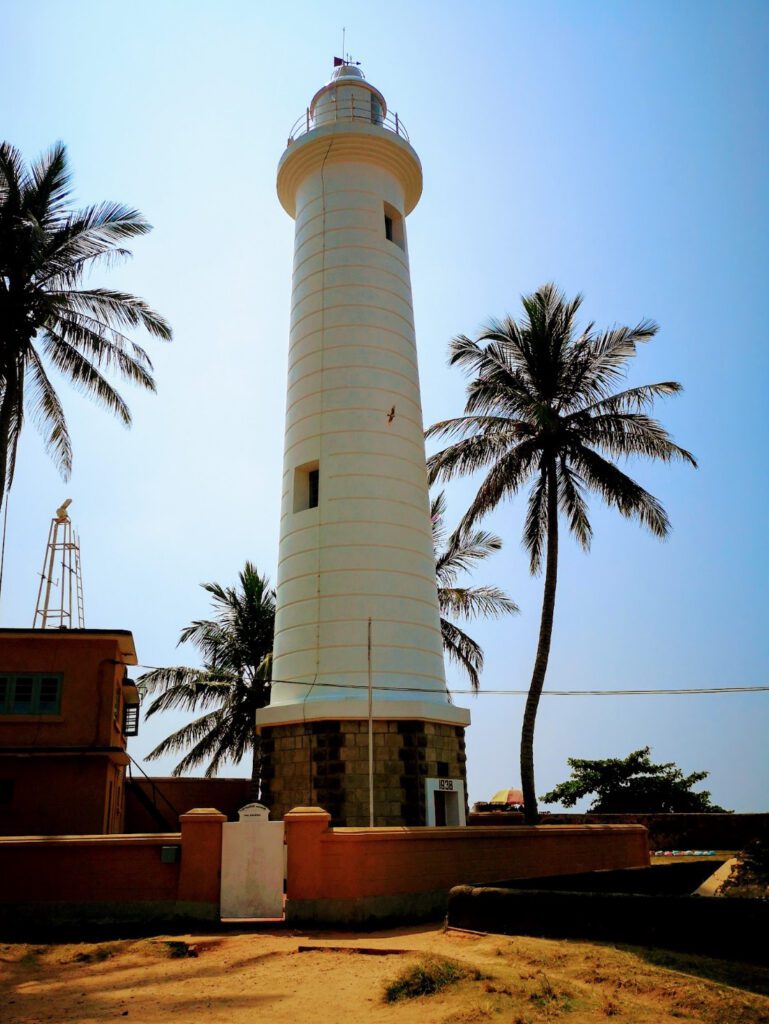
[{"x": 641, "y": 692}]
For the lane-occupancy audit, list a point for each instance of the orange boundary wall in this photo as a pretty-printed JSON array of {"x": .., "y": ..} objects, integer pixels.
[
  {"x": 342, "y": 876},
  {"x": 59, "y": 881},
  {"x": 351, "y": 875}
]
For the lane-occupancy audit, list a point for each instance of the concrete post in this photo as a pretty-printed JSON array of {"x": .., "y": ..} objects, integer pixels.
[
  {"x": 201, "y": 866},
  {"x": 304, "y": 828}
]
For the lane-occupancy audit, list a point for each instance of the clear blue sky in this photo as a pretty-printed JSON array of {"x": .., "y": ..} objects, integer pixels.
[{"x": 617, "y": 149}]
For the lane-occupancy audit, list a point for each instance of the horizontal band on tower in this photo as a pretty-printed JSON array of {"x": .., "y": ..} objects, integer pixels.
[
  {"x": 353, "y": 284},
  {"x": 347, "y": 266},
  {"x": 322, "y": 253},
  {"x": 367, "y": 546},
  {"x": 420, "y": 446},
  {"x": 331, "y": 622},
  {"x": 328, "y": 525}
]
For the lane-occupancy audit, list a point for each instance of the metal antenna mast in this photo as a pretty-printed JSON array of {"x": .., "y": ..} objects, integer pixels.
[{"x": 59, "y": 601}]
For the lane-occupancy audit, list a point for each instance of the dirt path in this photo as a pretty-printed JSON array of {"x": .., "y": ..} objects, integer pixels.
[{"x": 264, "y": 976}]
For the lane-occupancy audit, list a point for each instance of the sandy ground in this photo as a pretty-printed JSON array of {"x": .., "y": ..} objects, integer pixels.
[{"x": 237, "y": 977}]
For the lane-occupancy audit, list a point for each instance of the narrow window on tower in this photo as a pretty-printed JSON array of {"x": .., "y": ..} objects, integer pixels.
[
  {"x": 393, "y": 225},
  {"x": 306, "y": 486}
]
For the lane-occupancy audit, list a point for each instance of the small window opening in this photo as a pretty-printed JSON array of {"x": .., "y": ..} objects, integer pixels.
[
  {"x": 306, "y": 487},
  {"x": 377, "y": 114},
  {"x": 393, "y": 225},
  {"x": 314, "y": 486}
]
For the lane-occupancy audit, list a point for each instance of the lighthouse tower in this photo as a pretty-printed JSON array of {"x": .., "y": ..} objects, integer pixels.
[{"x": 359, "y": 714}]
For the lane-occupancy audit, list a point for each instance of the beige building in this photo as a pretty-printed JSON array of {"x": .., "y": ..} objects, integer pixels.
[{"x": 357, "y": 608}]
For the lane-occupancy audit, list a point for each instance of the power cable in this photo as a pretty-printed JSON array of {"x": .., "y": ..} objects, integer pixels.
[{"x": 662, "y": 691}]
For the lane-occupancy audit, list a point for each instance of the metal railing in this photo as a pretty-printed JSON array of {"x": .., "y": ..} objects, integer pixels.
[{"x": 359, "y": 111}]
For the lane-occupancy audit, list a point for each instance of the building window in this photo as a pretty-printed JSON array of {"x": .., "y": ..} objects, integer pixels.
[
  {"x": 306, "y": 487},
  {"x": 393, "y": 225},
  {"x": 313, "y": 482},
  {"x": 30, "y": 694},
  {"x": 131, "y": 720},
  {"x": 377, "y": 113}
]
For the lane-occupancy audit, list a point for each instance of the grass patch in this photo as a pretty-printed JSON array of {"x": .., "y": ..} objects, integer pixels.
[
  {"x": 95, "y": 956},
  {"x": 427, "y": 978},
  {"x": 549, "y": 1000},
  {"x": 178, "y": 950}
]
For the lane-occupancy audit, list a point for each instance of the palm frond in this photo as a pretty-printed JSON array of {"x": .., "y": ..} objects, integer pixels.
[
  {"x": 535, "y": 524},
  {"x": 571, "y": 501},
  {"x": 49, "y": 188},
  {"x": 48, "y": 414},
  {"x": 112, "y": 307},
  {"x": 464, "y": 651},
  {"x": 503, "y": 480},
  {"x": 83, "y": 374},
  {"x": 462, "y": 552},
  {"x": 476, "y": 602},
  {"x": 620, "y": 491}
]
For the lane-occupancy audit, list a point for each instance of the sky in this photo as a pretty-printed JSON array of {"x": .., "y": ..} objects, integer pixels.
[{"x": 616, "y": 149}]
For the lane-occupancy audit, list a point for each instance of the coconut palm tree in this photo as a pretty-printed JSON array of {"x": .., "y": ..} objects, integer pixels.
[
  {"x": 542, "y": 408},
  {"x": 455, "y": 555},
  {"x": 236, "y": 647},
  {"x": 48, "y": 318}
]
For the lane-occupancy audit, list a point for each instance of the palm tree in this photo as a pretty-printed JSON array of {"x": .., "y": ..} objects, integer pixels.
[
  {"x": 457, "y": 554},
  {"x": 541, "y": 407},
  {"x": 47, "y": 317},
  {"x": 236, "y": 646}
]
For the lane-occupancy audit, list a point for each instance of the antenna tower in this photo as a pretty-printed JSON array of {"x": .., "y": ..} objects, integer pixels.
[{"x": 59, "y": 601}]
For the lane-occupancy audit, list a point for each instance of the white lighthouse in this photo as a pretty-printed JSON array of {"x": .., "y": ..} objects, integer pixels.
[{"x": 357, "y": 637}]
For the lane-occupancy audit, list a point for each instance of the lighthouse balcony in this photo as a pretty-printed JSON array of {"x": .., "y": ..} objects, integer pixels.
[{"x": 360, "y": 110}]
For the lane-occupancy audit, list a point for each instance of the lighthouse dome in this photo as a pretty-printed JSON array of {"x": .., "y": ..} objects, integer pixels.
[{"x": 346, "y": 71}]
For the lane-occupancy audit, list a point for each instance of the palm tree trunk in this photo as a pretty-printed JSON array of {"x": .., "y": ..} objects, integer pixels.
[
  {"x": 256, "y": 771},
  {"x": 9, "y": 400},
  {"x": 6, "y": 405},
  {"x": 531, "y": 813}
]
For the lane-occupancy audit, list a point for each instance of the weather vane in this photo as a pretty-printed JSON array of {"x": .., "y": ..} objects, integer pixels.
[{"x": 345, "y": 58}]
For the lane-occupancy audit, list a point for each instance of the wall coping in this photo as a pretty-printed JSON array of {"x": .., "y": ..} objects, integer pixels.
[
  {"x": 498, "y": 832},
  {"x": 121, "y": 839},
  {"x": 202, "y": 814}
]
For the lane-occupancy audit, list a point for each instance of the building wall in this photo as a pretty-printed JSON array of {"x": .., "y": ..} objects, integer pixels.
[
  {"x": 174, "y": 797},
  {"x": 63, "y": 773},
  {"x": 81, "y": 881},
  {"x": 357, "y": 875},
  {"x": 59, "y": 796},
  {"x": 666, "y": 831},
  {"x": 91, "y": 703},
  {"x": 326, "y": 764}
]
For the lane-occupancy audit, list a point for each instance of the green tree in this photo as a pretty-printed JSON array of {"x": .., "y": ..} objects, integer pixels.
[
  {"x": 236, "y": 646},
  {"x": 631, "y": 785},
  {"x": 48, "y": 318},
  {"x": 541, "y": 408},
  {"x": 455, "y": 555}
]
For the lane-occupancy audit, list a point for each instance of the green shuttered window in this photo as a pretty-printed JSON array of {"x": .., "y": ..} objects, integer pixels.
[{"x": 26, "y": 694}]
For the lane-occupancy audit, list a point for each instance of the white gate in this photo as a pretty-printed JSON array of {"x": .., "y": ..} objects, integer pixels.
[{"x": 252, "y": 868}]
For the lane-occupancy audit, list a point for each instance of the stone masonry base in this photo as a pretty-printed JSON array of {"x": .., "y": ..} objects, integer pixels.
[{"x": 325, "y": 764}]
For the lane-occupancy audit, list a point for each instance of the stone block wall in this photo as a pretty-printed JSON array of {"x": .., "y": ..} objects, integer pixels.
[{"x": 325, "y": 764}]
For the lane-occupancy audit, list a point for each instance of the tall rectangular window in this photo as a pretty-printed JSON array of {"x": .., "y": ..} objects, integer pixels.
[
  {"x": 393, "y": 226},
  {"x": 313, "y": 481},
  {"x": 306, "y": 486},
  {"x": 28, "y": 694}
]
